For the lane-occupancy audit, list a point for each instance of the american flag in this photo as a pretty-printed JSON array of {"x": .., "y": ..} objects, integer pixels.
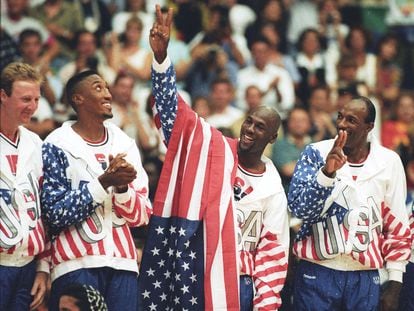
[{"x": 190, "y": 258}]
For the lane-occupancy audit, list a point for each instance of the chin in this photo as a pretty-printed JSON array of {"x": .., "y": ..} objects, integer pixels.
[{"x": 107, "y": 116}]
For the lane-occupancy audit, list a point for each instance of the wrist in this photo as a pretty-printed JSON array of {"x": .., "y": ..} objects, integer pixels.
[
  {"x": 160, "y": 57},
  {"x": 328, "y": 174}
]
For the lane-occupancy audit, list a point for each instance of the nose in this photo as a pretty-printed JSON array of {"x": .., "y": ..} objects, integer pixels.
[
  {"x": 250, "y": 128},
  {"x": 341, "y": 124},
  {"x": 108, "y": 94},
  {"x": 34, "y": 104}
]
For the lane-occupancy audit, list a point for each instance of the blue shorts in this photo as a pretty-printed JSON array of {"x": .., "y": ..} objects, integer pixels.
[
  {"x": 118, "y": 287},
  {"x": 15, "y": 286},
  {"x": 246, "y": 293},
  {"x": 318, "y": 288},
  {"x": 407, "y": 291}
]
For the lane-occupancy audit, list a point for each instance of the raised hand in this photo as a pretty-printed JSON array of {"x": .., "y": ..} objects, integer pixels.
[
  {"x": 160, "y": 34},
  {"x": 336, "y": 157}
]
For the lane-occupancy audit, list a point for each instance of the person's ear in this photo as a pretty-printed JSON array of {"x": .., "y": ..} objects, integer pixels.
[
  {"x": 77, "y": 99},
  {"x": 370, "y": 127},
  {"x": 3, "y": 95},
  {"x": 273, "y": 138}
]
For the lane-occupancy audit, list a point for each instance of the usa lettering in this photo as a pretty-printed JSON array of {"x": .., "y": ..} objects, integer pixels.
[{"x": 354, "y": 234}]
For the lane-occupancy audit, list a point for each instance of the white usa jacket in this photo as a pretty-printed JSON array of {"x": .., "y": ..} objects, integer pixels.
[
  {"x": 264, "y": 229},
  {"x": 90, "y": 226},
  {"x": 351, "y": 224},
  {"x": 22, "y": 235}
]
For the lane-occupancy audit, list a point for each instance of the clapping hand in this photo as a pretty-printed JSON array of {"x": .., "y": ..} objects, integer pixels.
[
  {"x": 119, "y": 173},
  {"x": 160, "y": 34}
]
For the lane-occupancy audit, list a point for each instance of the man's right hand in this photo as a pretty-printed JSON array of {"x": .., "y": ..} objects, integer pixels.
[
  {"x": 336, "y": 157},
  {"x": 160, "y": 34},
  {"x": 119, "y": 173}
]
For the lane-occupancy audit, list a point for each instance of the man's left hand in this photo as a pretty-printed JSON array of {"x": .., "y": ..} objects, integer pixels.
[
  {"x": 390, "y": 296},
  {"x": 39, "y": 289}
]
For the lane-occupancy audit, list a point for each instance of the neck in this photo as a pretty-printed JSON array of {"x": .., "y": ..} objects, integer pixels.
[
  {"x": 90, "y": 130},
  {"x": 7, "y": 128},
  {"x": 252, "y": 163},
  {"x": 358, "y": 154}
]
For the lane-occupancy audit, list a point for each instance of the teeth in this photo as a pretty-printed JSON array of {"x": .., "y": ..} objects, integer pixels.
[{"x": 107, "y": 105}]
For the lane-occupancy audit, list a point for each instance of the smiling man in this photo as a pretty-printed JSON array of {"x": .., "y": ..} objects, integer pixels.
[
  {"x": 214, "y": 176},
  {"x": 350, "y": 194},
  {"x": 95, "y": 189},
  {"x": 22, "y": 235}
]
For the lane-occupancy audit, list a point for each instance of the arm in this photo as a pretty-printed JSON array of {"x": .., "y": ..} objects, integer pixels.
[
  {"x": 162, "y": 75},
  {"x": 396, "y": 248},
  {"x": 309, "y": 187},
  {"x": 62, "y": 205},
  {"x": 134, "y": 205},
  {"x": 271, "y": 259}
]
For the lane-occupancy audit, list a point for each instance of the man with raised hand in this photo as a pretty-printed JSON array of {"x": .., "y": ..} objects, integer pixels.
[
  {"x": 212, "y": 187},
  {"x": 350, "y": 194}
]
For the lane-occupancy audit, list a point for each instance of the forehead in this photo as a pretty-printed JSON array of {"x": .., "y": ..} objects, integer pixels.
[
  {"x": 356, "y": 108},
  {"x": 93, "y": 79},
  {"x": 25, "y": 86},
  {"x": 262, "y": 114},
  {"x": 87, "y": 83}
]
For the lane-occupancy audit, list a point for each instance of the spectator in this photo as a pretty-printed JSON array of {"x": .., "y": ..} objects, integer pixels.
[
  {"x": 8, "y": 49},
  {"x": 357, "y": 44},
  {"x": 389, "y": 72},
  {"x": 210, "y": 62},
  {"x": 395, "y": 132},
  {"x": 287, "y": 150},
  {"x": 278, "y": 54},
  {"x": 223, "y": 114},
  {"x": 201, "y": 106},
  {"x": 269, "y": 11},
  {"x": 126, "y": 112},
  {"x": 320, "y": 111},
  {"x": 311, "y": 62},
  {"x": 96, "y": 17},
  {"x": 273, "y": 81},
  {"x": 220, "y": 33},
  {"x": 16, "y": 20},
  {"x": 63, "y": 19},
  {"x": 134, "y": 8},
  {"x": 87, "y": 57},
  {"x": 129, "y": 56}
]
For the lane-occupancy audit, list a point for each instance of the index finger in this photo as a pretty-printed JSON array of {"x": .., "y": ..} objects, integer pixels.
[
  {"x": 158, "y": 14},
  {"x": 341, "y": 139}
]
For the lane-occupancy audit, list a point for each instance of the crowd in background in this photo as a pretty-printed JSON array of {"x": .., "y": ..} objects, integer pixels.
[{"x": 304, "y": 58}]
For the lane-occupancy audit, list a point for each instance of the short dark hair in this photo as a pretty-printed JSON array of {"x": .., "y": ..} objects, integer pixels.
[
  {"x": 74, "y": 82},
  {"x": 370, "y": 118},
  {"x": 87, "y": 297},
  {"x": 29, "y": 32}
]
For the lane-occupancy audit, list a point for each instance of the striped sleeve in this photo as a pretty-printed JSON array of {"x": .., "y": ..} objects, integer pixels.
[
  {"x": 396, "y": 248},
  {"x": 271, "y": 259}
]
